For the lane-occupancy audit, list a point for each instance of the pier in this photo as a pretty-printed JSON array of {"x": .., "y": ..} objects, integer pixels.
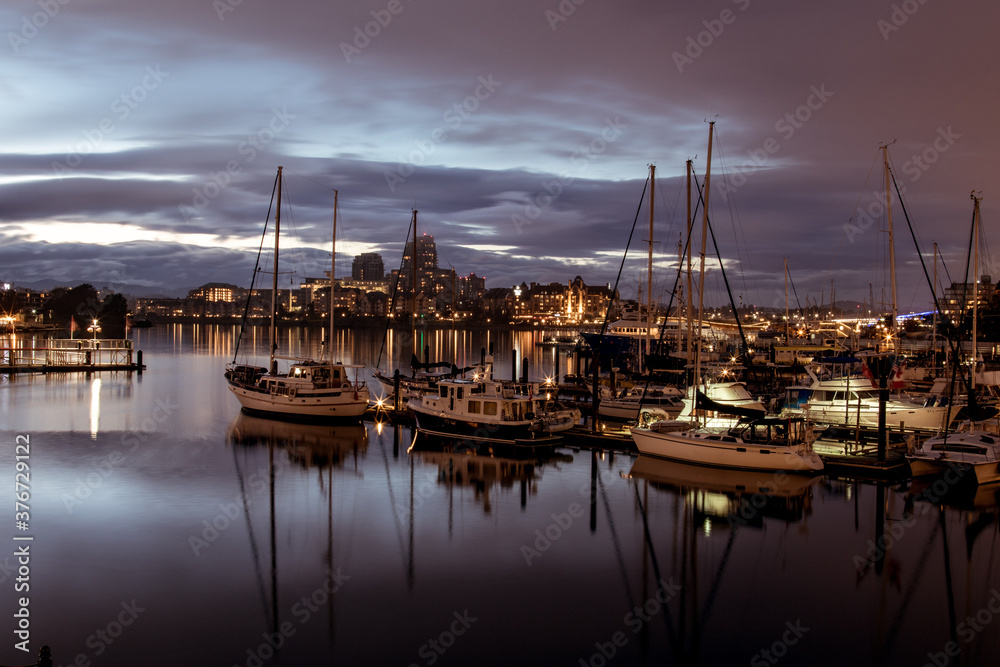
[{"x": 71, "y": 355}]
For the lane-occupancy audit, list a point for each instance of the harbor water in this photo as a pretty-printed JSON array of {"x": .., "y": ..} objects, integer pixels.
[{"x": 167, "y": 528}]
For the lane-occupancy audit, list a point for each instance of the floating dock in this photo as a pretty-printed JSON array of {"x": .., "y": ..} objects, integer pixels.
[{"x": 71, "y": 356}]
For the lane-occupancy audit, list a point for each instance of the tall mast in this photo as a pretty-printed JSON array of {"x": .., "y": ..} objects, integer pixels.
[
  {"x": 333, "y": 268},
  {"x": 701, "y": 278},
  {"x": 892, "y": 246},
  {"x": 649, "y": 269},
  {"x": 975, "y": 287},
  {"x": 273, "y": 365},
  {"x": 690, "y": 294},
  {"x": 934, "y": 302},
  {"x": 786, "y": 301},
  {"x": 413, "y": 291}
]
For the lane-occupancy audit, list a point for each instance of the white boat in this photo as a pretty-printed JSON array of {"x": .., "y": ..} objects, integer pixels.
[
  {"x": 762, "y": 444},
  {"x": 484, "y": 409},
  {"x": 852, "y": 400},
  {"x": 973, "y": 454},
  {"x": 626, "y": 405},
  {"x": 309, "y": 389}
]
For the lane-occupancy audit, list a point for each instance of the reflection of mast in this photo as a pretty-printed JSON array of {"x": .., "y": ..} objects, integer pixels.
[
  {"x": 253, "y": 541},
  {"x": 274, "y": 551},
  {"x": 396, "y": 510}
]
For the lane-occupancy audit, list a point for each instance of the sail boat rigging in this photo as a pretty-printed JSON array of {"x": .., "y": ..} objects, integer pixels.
[{"x": 309, "y": 389}]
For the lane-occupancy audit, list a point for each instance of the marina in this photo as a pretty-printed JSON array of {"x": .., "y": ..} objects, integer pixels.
[{"x": 251, "y": 515}]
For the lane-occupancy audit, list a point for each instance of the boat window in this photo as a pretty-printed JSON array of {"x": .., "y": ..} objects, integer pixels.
[
  {"x": 962, "y": 449},
  {"x": 474, "y": 407},
  {"x": 489, "y": 408},
  {"x": 336, "y": 374},
  {"x": 461, "y": 392},
  {"x": 443, "y": 391},
  {"x": 838, "y": 396}
]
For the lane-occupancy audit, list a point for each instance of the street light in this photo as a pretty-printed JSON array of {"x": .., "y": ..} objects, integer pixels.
[{"x": 94, "y": 328}]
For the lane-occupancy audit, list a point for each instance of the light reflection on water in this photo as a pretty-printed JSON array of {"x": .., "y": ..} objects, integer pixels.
[{"x": 225, "y": 528}]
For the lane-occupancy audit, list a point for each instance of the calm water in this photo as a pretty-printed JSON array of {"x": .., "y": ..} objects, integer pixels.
[{"x": 169, "y": 529}]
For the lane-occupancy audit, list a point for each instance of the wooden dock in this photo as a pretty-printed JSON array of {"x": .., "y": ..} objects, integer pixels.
[{"x": 84, "y": 355}]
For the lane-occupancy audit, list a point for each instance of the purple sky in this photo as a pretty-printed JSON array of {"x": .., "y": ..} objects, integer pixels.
[{"x": 141, "y": 138}]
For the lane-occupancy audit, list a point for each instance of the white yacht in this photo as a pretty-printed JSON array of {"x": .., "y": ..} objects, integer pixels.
[
  {"x": 626, "y": 404},
  {"x": 852, "y": 401},
  {"x": 973, "y": 454}
]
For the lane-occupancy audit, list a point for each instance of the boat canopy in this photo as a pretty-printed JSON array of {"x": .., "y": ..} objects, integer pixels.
[{"x": 703, "y": 402}]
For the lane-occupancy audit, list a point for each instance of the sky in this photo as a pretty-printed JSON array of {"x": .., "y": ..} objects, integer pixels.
[{"x": 142, "y": 138}]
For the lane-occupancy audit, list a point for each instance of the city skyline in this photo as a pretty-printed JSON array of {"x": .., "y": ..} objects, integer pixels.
[{"x": 151, "y": 163}]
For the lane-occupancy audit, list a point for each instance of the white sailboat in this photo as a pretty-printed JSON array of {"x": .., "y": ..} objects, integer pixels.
[
  {"x": 973, "y": 452},
  {"x": 309, "y": 389}
]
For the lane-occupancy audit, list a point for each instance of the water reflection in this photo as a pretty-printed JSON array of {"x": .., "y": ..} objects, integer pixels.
[
  {"x": 483, "y": 468},
  {"x": 307, "y": 444},
  {"x": 738, "y": 497}
]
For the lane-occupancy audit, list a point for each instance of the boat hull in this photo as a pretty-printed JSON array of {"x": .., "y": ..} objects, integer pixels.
[
  {"x": 444, "y": 426},
  {"x": 333, "y": 404},
  {"x": 982, "y": 473},
  {"x": 706, "y": 448}
]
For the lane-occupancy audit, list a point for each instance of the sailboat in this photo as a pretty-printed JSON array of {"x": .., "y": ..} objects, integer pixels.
[
  {"x": 972, "y": 453},
  {"x": 309, "y": 389},
  {"x": 759, "y": 444}
]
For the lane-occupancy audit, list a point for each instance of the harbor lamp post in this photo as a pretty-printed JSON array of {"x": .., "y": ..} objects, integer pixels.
[{"x": 94, "y": 328}]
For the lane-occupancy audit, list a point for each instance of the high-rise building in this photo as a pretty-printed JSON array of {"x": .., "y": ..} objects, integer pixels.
[
  {"x": 427, "y": 256},
  {"x": 368, "y": 266}
]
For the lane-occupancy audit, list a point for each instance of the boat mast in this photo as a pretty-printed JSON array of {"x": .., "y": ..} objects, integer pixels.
[
  {"x": 701, "y": 278},
  {"x": 786, "y": 301},
  {"x": 934, "y": 302},
  {"x": 975, "y": 288},
  {"x": 649, "y": 269},
  {"x": 273, "y": 365},
  {"x": 333, "y": 268},
  {"x": 892, "y": 246},
  {"x": 413, "y": 291},
  {"x": 690, "y": 294}
]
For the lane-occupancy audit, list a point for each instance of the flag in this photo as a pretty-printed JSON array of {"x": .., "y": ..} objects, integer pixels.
[
  {"x": 867, "y": 372},
  {"x": 72, "y": 326},
  {"x": 896, "y": 377}
]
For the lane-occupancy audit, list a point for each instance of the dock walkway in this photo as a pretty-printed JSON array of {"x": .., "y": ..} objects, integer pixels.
[{"x": 71, "y": 355}]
